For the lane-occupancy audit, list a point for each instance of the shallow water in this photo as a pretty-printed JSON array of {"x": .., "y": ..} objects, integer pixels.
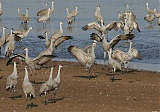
[{"x": 147, "y": 41}]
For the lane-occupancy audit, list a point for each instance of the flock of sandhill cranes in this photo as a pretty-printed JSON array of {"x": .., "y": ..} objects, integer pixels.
[{"x": 117, "y": 59}]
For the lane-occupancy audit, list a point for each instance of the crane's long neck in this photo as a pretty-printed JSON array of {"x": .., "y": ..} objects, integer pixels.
[
  {"x": 52, "y": 7},
  {"x": 93, "y": 48},
  {"x": 61, "y": 29},
  {"x": 67, "y": 11},
  {"x": 26, "y": 12},
  {"x": 0, "y": 6},
  {"x": 50, "y": 76},
  {"x": 58, "y": 74},
  {"x": 27, "y": 31},
  {"x": 130, "y": 48},
  {"x": 18, "y": 11},
  {"x": 26, "y": 79},
  {"x": 15, "y": 69},
  {"x": 46, "y": 39},
  {"x": 3, "y": 35},
  {"x": 127, "y": 8},
  {"x": 11, "y": 36},
  {"x": 27, "y": 58},
  {"x": 51, "y": 45}
]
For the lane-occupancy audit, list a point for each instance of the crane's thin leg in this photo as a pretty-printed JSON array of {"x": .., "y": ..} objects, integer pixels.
[
  {"x": 45, "y": 102},
  {"x": 104, "y": 60},
  {"x": 13, "y": 94},
  {"x": 55, "y": 93}
]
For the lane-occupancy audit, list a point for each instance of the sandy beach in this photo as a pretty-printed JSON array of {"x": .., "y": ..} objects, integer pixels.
[{"x": 133, "y": 91}]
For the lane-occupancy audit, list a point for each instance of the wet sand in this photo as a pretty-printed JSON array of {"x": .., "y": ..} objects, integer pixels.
[{"x": 133, "y": 91}]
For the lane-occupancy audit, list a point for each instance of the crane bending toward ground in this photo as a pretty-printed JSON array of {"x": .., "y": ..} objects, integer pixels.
[
  {"x": 83, "y": 58},
  {"x": 12, "y": 80},
  {"x": 28, "y": 88},
  {"x": 47, "y": 86}
]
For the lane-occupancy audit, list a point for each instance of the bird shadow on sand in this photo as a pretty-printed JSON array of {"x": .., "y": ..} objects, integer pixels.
[
  {"x": 113, "y": 79},
  {"x": 87, "y": 77},
  {"x": 1, "y": 77},
  {"x": 15, "y": 97},
  {"x": 55, "y": 100},
  {"x": 31, "y": 105}
]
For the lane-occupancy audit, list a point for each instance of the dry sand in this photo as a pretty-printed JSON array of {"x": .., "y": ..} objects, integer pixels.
[{"x": 133, "y": 91}]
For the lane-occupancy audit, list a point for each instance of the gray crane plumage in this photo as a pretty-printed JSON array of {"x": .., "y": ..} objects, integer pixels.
[
  {"x": 69, "y": 17},
  {"x": 100, "y": 27},
  {"x": 22, "y": 33},
  {"x": 3, "y": 38},
  {"x": 1, "y": 11},
  {"x": 110, "y": 44},
  {"x": 75, "y": 12},
  {"x": 12, "y": 80},
  {"x": 56, "y": 83},
  {"x": 10, "y": 46},
  {"x": 112, "y": 63},
  {"x": 47, "y": 86},
  {"x": 83, "y": 58},
  {"x": 28, "y": 87}
]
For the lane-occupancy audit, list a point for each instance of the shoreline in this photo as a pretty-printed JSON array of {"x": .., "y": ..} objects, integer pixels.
[{"x": 134, "y": 65}]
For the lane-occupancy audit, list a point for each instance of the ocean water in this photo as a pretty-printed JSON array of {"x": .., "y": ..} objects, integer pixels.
[{"x": 147, "y": 41}]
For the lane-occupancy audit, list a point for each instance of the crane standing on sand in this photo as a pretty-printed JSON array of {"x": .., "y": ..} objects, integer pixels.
[
  {"x": 46, "y": 87},
  {"x": 12, "y": 80},
  {"x": 28, "y": 88},
  {"x": 82, "y": 57}
]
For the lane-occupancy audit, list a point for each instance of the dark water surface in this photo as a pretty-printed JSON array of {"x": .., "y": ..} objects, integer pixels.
[{"x": 147, "y": 41}]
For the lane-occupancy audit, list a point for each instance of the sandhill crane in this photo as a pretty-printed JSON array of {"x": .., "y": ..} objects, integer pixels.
[
  {"x": 43, "y": 11},
  {"x": 98, "y": 16},
  {"x": 58, "y": 33},
  {"x": 125, "y": 57},
  {"x": 52, "y": 8},
  {"x": 83, "y": 58},
  {"x": 75, "y": 12},
  {"x": 26, "y": 19},
  {"x": 100, "y": 27},
  {"x": 149, "y": 18},
  {"x": 149, "y": 11},
  {"x": 28, "y": 88},
  {"x": 44, "y": 18},
  {"x": 2, "y": 39},
  {"x": 156, "y": 13},
  {"x": 110, "y": 44},
  {"x": 130, "y": 23},
  {"x": 46, "y": 87},
  {"x": 22, "y": 33},
  {"x": 56, "y": 83},
  {"x": 69, "y": 17},
  {"x": 33, "y": 63},
  {"x": 10, "y": 46},
  {"x": 22, "y": 17},
  {"x": 114, "y": 64},
  {"x": 56, "y": 40},
  {"x": 1, "y": 11},
  {"x": 12, "y": 80}
]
